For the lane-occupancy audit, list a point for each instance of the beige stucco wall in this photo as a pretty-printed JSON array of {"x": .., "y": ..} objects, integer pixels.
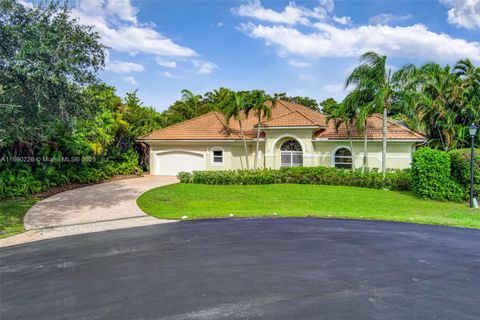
[{"x": 315, "y": 153}]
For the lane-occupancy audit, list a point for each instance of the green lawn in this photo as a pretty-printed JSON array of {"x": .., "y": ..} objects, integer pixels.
[
  {"x": 292, "y": 200},
  {"x": 11, "y": 215}
]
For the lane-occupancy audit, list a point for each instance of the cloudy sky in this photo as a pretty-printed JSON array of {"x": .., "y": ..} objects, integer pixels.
[{"x": 302, "y": 47}]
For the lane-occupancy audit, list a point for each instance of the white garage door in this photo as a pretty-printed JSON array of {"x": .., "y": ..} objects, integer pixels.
[{"x": 171, "y": 163}]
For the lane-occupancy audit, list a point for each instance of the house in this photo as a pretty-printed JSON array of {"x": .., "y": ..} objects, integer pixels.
[{"x": 294, "y": 136}]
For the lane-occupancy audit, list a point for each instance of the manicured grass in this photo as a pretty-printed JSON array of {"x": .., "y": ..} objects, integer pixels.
[
  {"x": 11, "y": 215},
  {"x": 294, "y": 200}
]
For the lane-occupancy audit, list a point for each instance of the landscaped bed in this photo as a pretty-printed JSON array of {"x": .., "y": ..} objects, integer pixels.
[{"x": 197, "y": 201}]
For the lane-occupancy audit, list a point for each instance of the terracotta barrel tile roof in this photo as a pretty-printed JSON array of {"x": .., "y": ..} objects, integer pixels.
[
  {"x": 395, "y": 131},
  {"x": 213, "y": 126}
]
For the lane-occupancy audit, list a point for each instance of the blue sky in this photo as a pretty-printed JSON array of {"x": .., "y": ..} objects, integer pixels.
[{"x": 302, "y": 47}]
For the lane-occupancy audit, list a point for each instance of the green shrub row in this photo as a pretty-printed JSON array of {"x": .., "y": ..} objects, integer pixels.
[
  {"x": 22, "y": 179},
  {"x": 460, "y": 165},
  {"x": 395, "y": 179},
  {"x": 440, "y": 175}
]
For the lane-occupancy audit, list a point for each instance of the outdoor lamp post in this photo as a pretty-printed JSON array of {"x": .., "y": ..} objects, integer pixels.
[{"x": 473, "y": 131}]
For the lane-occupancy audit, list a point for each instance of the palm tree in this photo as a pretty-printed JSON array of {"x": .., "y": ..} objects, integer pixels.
[
  {"x": 347, "y": 115},
  {"x": 258, "y": 103},
  {"x": 358, "y": 102},
  {"x": 372, "y": 79},
  {"x": 236, "y": 110}
]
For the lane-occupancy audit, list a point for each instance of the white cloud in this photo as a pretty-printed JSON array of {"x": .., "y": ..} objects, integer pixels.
[
  {"x": 204, "y": 67},
  {"x": 332, "y": 88},
  {"x": 330, "y": 41},
  {"x": 165, "y": 63},
  {"x": 168, "y": 74},
  {"x": 464, "y": 13},
  {"x": 292, "y": 14},
  {"x": 26, "y": 4},
  {"x": 123, "y": 66},
  {"x": 306, "y": 77},
  {"x": 386, "y": 18},
  {"x": 116, "y": 22},
  {"x": 220, "y": 24},
  {"x": 123, "y": 10},
  {"x": 130, "y": 80},
  {"x": 299, "y": 64},
  {"x": 342, "y": 20}
]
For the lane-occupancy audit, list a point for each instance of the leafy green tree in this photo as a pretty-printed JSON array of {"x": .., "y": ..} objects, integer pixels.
[
  {"x": 46, "y": 57},
  {"x": 329, "y": 107},
  {"x": 305, "y": 101},
  {"x": 440, "y": 101}
]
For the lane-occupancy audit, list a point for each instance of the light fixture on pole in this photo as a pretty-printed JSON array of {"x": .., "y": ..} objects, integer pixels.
[{"x": 473, "y": 131}]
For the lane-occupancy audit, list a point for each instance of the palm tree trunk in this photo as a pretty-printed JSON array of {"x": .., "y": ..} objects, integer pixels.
[
  {"x": 365, "y": 147},
  {"x": 384, "y": 142},
  {"x": 244, "y": 144},
  {"x": 258, "y": 144},
  {"x": 351, "y": 145}
]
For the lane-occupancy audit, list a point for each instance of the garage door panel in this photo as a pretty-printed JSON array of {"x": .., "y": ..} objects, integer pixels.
[{"x": 171, "y": 163}]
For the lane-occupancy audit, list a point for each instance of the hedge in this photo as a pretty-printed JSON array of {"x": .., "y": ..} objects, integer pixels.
[
  {"x": 395, "y": 179},
  {"x": 22, "y": 179},
  {"x": 460, "y": 168},
  {"x": 431, "y": 176}
]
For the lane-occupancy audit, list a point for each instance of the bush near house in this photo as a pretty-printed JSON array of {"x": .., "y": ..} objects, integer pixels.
[
  {"x": 431, "y": 176},
  {"x": 460, "y": 162},
  {"x": 21, "y": 179},
  {"x": 395, "y": 180}
]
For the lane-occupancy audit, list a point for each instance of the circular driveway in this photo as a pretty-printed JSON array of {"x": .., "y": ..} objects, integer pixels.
[{"x": 247, "y": 269}]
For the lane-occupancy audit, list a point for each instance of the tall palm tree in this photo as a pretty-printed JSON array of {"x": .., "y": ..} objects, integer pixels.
[
  {"x": 358, "y": 102},
  {"x": 236, "y": 110},
  {"x": 344, "y": 114},
  {"x": 372, "y": 79},
  {"x": 258, "y": 104}
]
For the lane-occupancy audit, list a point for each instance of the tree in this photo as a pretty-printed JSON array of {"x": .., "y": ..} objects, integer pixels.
[
  {"x": 236, "y": 110},
  {"x": 257, "y": 102},
  {"x": 46, "y": 59},
  {"x": 372, "y": 80},
  {"x": 304, "y": 101},
  {"x": 347, "y": 115},
  {"x": 440, "y": 101},
  {"x": 329, "y": 107}
]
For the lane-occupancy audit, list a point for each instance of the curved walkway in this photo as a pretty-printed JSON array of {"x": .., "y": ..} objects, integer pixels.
[{"x": 106, "y": 206}]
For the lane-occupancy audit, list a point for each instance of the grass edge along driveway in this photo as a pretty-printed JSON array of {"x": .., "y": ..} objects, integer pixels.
[
  {"x": 12, "y": 212},
  {"x": 198, "y": 201}
]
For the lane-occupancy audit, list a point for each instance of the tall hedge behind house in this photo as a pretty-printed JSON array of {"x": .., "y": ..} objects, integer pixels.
[
  {"x": 431, "y": 176},
  {"x": 460, "y": 160}
]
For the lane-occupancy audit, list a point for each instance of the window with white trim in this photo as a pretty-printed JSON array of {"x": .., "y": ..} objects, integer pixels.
[
  {"x": 343, "y": 159},
  {"x": 217, "y": 156},
  {"x": 291, "y": 154}
]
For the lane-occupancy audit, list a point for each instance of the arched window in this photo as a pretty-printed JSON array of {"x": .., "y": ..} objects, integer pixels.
[
  {"x": 343, "y": 159},
  {"x": 291, "y": 154}
]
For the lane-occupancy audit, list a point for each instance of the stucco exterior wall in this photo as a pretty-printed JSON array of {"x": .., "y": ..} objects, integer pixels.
[{"x": 315, "y": 153}]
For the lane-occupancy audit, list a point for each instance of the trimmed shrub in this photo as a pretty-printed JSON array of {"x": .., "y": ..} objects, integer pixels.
[
  {"x": 21, "y": 179},
  {"x": 396, "y": 179},
  {"x": 460, "y": 168},
  {"x": 431, "y": 176}
]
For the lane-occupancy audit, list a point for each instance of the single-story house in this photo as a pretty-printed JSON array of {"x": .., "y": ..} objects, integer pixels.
[{"x": 293, "y": 136}]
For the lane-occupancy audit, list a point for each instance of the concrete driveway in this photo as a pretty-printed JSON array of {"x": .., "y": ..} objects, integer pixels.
[
  {"x": 105, "y": 206},
  {"x": 247, "y": 269}
]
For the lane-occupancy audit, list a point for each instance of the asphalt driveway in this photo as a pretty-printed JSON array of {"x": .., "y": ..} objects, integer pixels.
[{"x": 247, "y": 269}]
